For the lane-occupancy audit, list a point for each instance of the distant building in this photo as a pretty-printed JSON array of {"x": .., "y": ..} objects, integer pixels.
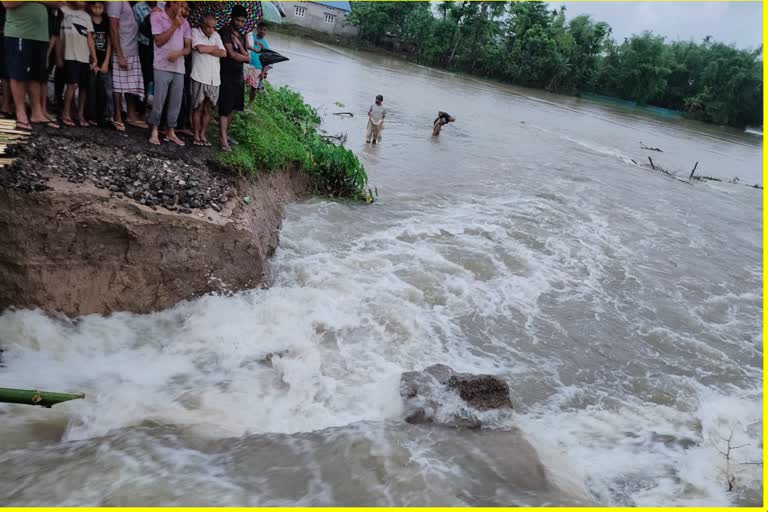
[{"x": 328, "y": 17}]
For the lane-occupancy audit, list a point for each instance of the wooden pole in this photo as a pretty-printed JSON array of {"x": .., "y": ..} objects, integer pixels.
[
  {"x": 693, "y": 171},
  {"x": 652, "y": 166}
]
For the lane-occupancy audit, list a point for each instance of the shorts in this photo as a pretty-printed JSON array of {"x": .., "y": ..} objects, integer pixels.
[
  {"x": 25, "y": 59},
  {"x": 76, "y": 73},
  {"x": 231, "y": 95},
  {"x": 198, "y": 93}
]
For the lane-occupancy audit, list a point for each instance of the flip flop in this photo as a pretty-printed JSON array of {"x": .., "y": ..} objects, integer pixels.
[
  {"x": 68, "y": 123},
  {"x": 178, "y": 141},
  {"x": 198, "y": 143},
  {"x": 207, "y": 144},
  {"x": 118, "y": 126},
  {"x": 138, "y": 124},
  {"x": 226, "y": 149},
  {"x": 93, "y": 123},
  {"x": 154, "y": 143},
  {"x": 83, "y": 123},
  {"x": 27, "y": 127}
]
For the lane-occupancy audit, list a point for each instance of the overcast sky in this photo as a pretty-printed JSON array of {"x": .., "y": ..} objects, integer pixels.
[{"x": 739, "y": 23}]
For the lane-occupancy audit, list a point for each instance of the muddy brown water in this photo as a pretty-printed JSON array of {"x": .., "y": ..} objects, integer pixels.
[{"x": 623, "y": 308}]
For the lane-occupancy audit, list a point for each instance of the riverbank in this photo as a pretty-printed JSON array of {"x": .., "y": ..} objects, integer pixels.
[{"x": 97, "y": 221}]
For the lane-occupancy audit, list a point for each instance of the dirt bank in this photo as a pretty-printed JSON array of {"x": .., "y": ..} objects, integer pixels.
[{"x": 94, "y": 222}]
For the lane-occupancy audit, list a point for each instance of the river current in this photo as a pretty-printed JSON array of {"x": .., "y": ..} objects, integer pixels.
[{"x": 622, "y": 306}]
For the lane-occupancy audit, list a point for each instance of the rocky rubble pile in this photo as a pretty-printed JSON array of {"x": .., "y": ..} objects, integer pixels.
[{"x": 147, "y": 177}]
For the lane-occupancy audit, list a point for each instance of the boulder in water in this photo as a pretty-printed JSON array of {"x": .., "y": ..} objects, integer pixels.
[{"x": 440, "y": 395}]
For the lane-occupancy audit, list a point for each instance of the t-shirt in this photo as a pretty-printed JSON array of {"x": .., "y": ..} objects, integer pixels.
[
  {"x": 100, "y": 38},
  {"x": 27, "y": 21},
  {"x": 377, "y": 112},
  {"x": 140, "y": 11},
  {"x": 129, "y": 30},
  {"x": 255, "y": 60},
  {"x": 230, "y": 68},
  {"x": 75, "y": 25},
  {"x": 206, "y": 68},
  {"x": 161, "y": 22}
]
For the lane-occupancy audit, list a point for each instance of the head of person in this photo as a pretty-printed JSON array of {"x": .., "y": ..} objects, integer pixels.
[
  {"x": 172, "y": 8},
  {"x": 208, "y": 25},
  {"x": 184, "y": 8},
  {"x": 379, "y": 99},
  {"x": 96, "y": 8},
  {"x": 79, "y": 6},
  {"x": 261, "y": 31},
  {"x": 238, "y": 16}
]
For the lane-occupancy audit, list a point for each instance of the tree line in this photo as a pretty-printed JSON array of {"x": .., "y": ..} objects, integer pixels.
[{"x": 528, "y": 44}]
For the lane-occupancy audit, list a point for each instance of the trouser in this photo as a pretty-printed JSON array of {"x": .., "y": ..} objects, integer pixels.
[
  {"x": 374, "y": 131},
  {"x": 168, "y": 87}
]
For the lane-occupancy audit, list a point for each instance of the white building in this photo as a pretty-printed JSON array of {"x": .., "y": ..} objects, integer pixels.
[{"x": 328, "y": 17}]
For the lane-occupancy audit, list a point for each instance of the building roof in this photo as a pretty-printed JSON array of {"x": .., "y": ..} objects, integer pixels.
[{"x": 344, "y": 6}]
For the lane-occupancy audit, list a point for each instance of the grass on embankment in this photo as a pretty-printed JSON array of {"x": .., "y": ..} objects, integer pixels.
[{"x": 279, "y": 131}]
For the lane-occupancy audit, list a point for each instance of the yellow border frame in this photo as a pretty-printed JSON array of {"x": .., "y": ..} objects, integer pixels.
[{"x": 542, "y": 509}]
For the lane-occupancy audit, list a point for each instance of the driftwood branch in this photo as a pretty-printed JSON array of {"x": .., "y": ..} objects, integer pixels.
[
  {"x": 350, "y": 114},
  {"x": 643, "y": 146}
]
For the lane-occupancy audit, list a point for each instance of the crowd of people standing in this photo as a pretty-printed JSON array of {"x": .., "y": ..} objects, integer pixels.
[{"x": 128, "y": 63}]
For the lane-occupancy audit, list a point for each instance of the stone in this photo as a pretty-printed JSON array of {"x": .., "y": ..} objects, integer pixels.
[{"x": 430, "y": 396}]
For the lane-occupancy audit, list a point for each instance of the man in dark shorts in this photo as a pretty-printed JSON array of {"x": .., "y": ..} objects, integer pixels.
[
  {"x": 26, "y": 58},
  {"x": 443, "y": 118},
  {"x": 232, "y": 91}
]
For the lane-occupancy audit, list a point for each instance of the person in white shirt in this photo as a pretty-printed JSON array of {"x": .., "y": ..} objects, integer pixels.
[
  {"x": 376, "y": 115},
  {"x": 206, "y": 79}
]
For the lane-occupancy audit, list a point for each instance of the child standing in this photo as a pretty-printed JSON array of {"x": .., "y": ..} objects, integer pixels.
[
  {"x": 78, "y": 58},
  {"x": 99, "y": 106},
  {"x": 256, "y": 42},
  {"x": 376, "y": 115}
]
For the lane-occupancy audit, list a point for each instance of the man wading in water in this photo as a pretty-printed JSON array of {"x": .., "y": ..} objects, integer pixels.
[
  {"x": 443, "y": 118},
  {"x": 376, "y": 115}
]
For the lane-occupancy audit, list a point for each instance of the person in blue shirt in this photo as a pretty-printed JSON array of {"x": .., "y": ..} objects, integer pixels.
[{"x": 256, "y": 42}]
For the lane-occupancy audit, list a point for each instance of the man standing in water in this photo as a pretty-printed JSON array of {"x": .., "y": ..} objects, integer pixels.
[
  {"x": 443, "y": 118},
  {"x": 376, "y": 115}
]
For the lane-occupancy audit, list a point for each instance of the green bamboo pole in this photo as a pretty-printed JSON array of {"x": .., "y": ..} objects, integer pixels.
[{"x": 34, "y": 397}]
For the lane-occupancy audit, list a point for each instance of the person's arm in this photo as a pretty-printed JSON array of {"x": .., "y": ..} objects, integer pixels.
[
  {"x": 107, "y": 56},
  {"x": 114, "y": 35},
  {"x": 164, "y": 37},
  {"x": 187, "y": 47},
  {"x": 211, "y": 50},
  {"x": 370, "y": 110},
  {"x": 92, "y": 50}
]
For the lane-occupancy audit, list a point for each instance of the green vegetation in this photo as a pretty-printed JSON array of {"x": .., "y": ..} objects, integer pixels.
[
  {"x": 279, "y": 131},
  {"x": 526, "y": 43}
]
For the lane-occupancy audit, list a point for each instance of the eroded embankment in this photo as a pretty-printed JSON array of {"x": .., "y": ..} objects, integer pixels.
[{"x": 95, "y": 222}]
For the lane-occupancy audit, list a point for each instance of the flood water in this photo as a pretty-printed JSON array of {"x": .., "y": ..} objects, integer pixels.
[{"x": 623, "y": 308}]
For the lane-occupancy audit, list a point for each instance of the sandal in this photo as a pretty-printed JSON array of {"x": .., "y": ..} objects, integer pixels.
[
  {"x": 83, "y": 123},
  {"x": 226, "y": 149},
  {"x": 198, "y": 142},
  {"x": 118, "y": 125},
  {"x": 175, "y": 140},
  {"x": 68, "y": 123},
  {"x": 50, "y": 124},
  {"x": 206, "y": 143},
  {"x": 154, "y": 143},
  {"x": 27, "y": 127},
  {"x": 138, "y": 124}
]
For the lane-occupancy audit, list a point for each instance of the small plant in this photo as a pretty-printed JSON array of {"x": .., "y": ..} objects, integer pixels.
[{"x": 279, "y": 131}]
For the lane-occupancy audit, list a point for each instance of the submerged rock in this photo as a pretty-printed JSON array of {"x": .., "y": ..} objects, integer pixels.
[{"x": 440, "y": 395}]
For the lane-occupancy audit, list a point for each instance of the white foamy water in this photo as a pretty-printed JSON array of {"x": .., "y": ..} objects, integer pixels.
[{"x": 622, "y": 308}]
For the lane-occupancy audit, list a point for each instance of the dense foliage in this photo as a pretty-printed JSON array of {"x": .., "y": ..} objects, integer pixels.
[
  {"x": 528, "y": 44},
  {"x": 279, "y": 131}
]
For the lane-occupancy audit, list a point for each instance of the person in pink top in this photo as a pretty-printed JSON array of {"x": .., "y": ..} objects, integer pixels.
[{"x": 173, "y": 41}]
